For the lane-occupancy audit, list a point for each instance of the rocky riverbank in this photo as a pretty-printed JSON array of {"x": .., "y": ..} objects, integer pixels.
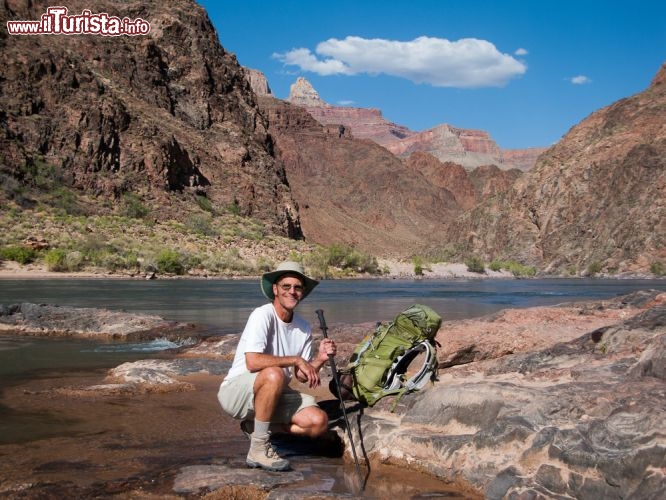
[
  {"x": 548, "y": 402},
  {"x": 392, "y": 269}
]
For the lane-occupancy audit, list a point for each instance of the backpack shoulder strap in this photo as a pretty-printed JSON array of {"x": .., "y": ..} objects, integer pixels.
[{"x": 427, "y": 372}]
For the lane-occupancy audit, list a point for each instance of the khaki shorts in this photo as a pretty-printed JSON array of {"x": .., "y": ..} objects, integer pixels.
[{"x": 237, "y": 399}]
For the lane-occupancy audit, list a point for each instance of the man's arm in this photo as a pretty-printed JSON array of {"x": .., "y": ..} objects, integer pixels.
[
  {"x": 304, "y": 371},
  {"x": 257, "y": 361},
  {"x": 326, "y": 347}
]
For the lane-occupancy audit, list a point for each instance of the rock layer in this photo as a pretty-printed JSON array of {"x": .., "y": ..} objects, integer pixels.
[{"x": 581, "y": 418}]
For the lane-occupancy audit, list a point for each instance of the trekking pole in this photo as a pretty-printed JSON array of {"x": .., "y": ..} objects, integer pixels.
[{"x": 324, "y": 329}]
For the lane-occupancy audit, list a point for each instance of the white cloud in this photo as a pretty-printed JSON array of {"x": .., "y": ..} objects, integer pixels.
[
  {"x": 521, "y": 52},
  {"x": 468, "y": 62},
  {"x": 304, "y": 59},
  {"x": 346, "y": 103},
  {"x": 580, "y": 80}
]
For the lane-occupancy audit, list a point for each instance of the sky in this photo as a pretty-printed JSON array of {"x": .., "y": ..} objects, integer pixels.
[{"x": 524, "y": 71}]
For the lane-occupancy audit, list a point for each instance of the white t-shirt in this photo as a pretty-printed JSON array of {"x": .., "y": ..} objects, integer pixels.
[{"x": 266, "y": 333}]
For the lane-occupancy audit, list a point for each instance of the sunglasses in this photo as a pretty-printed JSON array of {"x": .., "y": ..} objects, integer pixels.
[{"x": 297, "y": 288}]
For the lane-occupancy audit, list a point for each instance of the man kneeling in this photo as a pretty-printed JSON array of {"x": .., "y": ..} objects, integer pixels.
[{"x": 275, "y": 344}]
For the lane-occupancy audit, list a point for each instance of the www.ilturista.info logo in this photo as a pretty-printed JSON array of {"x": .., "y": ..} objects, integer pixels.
[{"x": 56, "y": 22}]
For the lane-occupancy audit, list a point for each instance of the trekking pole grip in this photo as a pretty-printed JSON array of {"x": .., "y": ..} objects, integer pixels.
[
  {"x": 322, "y": 322},
  {"x": 324, "y": 329}
]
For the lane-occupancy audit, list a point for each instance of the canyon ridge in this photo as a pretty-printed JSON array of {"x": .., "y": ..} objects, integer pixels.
[{"x": 171, "y": 120}]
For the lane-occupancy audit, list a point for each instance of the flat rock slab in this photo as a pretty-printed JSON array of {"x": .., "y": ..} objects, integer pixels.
[
  {"x": 198, "y": 478},
  {"x": 164, "y": 374},
  {"x": 52, "y": 320}
]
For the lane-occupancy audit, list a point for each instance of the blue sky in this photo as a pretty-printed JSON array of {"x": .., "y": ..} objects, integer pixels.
[{"x": 523, "y": 71}]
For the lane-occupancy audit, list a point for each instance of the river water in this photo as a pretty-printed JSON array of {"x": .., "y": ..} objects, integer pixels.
[{"x": 222, "y": 307}]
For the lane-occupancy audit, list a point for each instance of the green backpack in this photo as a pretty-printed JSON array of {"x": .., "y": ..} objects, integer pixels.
[{"x": 378, "y": 365}]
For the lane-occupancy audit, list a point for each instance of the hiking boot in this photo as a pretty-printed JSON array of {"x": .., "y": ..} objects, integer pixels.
[{"x": 262, "y": 454}]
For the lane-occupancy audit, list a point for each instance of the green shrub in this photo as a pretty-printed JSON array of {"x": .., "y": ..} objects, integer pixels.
[
  {"x": 42, "y": 175},
  {"x": 496, "y": 265},
  {"x": 338, "y": 260},
  {"x": 133, "y": 207},
  {"x": 337, "y": 255},
  {"x": 14, "y": 190},
  {"x": 418, "y": 266},
  {"x": 65, "y": 200},
  {"x": 521, "y": 271},
  {"x": 348, "y": 258},
  {"x": 230, "y": 261},
  {"x": 361, "y": 262},
  {"x": 201, "y": 224},
  {"x": 205, "y": 204},
  {"x": 74, "y": 261},
  {"x": 170, "y": 262},
  {"x": 22, "y": 255},
  {"x": 594, "y": 268},
  {"x": 516, "y": 268},
  {"x": 475, "y": 264},
  {"x": 234, "y": 208},
  {"x": 264, "y": 265},
  {"x": 316, "y": 262},
  {"x": 658, "y": 268},
  {"x": 55, "y": 260}
]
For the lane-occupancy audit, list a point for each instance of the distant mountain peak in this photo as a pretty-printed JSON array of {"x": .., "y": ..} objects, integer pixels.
[
  {"x": 470, "y": 148},
  {"x": 302, "y": 93},
  {"x": 258, "y": 82}
]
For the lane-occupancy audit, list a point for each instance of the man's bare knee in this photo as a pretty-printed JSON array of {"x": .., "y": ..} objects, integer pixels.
[
  {"x": 319, "y": 423},
  {"x": 270, "y": 377},
  {"x": 311, "y": 422}
]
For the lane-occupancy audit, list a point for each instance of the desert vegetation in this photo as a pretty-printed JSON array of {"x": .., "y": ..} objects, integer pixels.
[{"x": 132, "y": 242}]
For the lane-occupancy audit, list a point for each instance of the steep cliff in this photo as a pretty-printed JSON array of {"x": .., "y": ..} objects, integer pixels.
[
  {"x": 468, "y": 188},
  {"x": 168, "y": 116},
  {"x": 595, "y": 200},
  {"x": 354, "y": 191}
]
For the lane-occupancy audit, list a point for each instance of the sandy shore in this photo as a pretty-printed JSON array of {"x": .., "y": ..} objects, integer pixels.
[{"x": 397, "y": 270}]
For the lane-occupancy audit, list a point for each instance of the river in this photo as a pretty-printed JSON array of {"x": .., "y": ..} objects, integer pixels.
[{"x": 222, "y": 307}]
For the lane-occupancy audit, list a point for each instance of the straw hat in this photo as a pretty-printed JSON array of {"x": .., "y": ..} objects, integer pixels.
[{"x": 268, "y": 279}]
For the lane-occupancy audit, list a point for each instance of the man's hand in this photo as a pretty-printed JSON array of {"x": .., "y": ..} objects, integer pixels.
[
  {"x": 326, "y": 348},
  {"x": 305, "y": 372}
]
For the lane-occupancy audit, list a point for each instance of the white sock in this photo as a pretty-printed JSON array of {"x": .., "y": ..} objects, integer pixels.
[{"x": 260, "y": 429}]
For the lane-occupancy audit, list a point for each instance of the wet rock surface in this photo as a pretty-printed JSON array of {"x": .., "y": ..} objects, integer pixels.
[{"x": 54, "y": 320}]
